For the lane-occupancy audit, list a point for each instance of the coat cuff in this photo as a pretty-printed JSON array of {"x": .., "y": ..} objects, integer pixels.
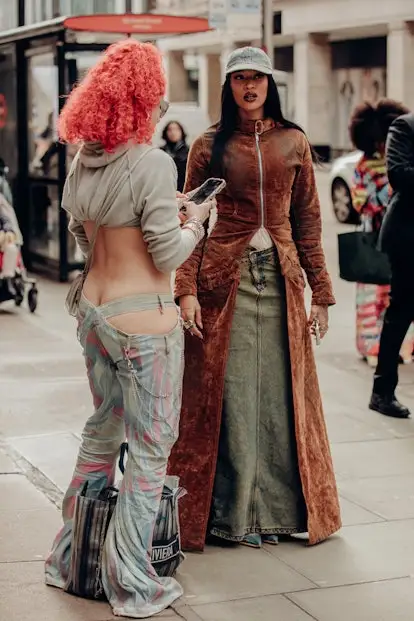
[
  {"x": 320, "y": 299},
  {"x": 184, "y": 288}
]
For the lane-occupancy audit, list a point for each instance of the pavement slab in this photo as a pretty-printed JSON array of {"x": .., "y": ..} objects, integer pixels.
[
  {"x": 364, "y": 553},
  {"x": 266, "y": 608},
  {"x": 223, "y": 574},
  {"x": 390, "y": 600},
  {"x": 7, "y": 465}
]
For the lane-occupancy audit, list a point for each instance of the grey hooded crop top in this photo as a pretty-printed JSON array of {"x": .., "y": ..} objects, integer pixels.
[{"x": 147, "y": 199}]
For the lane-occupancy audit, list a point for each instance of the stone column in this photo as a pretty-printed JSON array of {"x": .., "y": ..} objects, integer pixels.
[
  {"x": 209, "y": 85},
  {"x": 177, "y": 83},
  {"x": 400, "y": 63},
  {"x": 312, "y": 88},
  {"x": 267, "y": 34},
  {"x": 225, "y": 53}
]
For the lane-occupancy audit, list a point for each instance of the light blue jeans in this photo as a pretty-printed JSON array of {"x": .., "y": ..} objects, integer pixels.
[{"x": 136, "y": 384}]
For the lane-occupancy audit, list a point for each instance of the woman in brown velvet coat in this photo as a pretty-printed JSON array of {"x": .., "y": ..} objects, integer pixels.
[{"x": 253, "y": 451}]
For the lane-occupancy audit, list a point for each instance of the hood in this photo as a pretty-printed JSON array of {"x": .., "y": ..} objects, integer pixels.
[{"x": 93, "y": 155}]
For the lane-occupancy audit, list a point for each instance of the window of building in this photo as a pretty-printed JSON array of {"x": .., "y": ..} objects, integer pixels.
[
  {"x": 8, "y": 14},
  {"x": 88, "y": 7},
  {"x": 43, "y": 110},
  {"x": 38, "y": 11},
  {"x": 8, "y": 121}
]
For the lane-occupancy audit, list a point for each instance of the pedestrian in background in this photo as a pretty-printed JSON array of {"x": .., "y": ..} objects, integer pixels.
[
  {"x": 121, "y": 197},
  {"x": 370, "y": 196},
  {"x": 253, "y": 451},
  {"x": 176, "y": 146},
  {"x": 397, "y": 240}
]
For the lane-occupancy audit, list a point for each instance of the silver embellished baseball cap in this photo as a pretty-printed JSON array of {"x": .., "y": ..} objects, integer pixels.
[{"x": 249, "y": 58}]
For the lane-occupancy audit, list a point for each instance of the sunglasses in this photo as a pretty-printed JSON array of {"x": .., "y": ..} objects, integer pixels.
[{"x": 164, "y": 105}]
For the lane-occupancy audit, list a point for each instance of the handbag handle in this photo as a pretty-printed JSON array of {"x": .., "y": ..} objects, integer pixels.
[{"x": 123, "y": 451}]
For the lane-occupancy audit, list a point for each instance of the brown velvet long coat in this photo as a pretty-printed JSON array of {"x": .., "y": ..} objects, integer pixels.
[{"x": 212, "y": 273}]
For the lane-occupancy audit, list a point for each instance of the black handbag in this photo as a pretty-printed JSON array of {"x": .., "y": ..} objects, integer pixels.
[{"x": 361, "y": 261}]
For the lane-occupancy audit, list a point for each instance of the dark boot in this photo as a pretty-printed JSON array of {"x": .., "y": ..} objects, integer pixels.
[{"x": 389, "y": 406}]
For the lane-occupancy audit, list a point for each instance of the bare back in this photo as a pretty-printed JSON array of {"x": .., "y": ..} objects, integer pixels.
[{"x": 123, "y": 267}]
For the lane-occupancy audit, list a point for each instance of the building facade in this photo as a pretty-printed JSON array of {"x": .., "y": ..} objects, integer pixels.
[
  {"x": 330, "y": 55},
  {"x": 41, "y": 10}
]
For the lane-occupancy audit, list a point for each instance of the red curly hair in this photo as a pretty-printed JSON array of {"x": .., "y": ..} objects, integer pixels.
[{"x": 114, "y": 102}]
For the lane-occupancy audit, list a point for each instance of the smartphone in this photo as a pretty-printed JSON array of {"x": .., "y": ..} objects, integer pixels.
[{"x": 207, "y": 191}]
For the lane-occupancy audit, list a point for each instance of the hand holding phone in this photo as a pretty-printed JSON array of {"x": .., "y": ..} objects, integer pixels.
[
  {"x": 201, "y": 212},
  {"x": 207, "y": 191}
]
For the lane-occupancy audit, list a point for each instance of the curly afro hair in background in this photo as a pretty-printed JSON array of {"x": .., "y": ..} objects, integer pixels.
[
  {"x": 387, "y": 111},
  {"x": 363, "y": 128},
  {"x": 370, "y": 123},
  {"x": 114, "y": 102}
]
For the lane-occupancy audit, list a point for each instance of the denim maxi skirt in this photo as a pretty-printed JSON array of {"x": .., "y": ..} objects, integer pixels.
[{"x": 257, "y": 486}]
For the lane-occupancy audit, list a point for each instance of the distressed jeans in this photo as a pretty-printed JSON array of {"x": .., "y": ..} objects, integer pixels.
[{"x": 136, "y": 384}]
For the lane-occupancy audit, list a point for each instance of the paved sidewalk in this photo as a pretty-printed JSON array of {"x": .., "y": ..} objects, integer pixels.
[{"x": 365, "y": 573}]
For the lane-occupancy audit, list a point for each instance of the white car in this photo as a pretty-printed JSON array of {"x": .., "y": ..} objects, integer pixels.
[{"x": 341, "y": 175}]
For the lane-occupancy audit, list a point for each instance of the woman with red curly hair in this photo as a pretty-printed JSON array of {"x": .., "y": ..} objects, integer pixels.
[{"x": 121, "y": 197}]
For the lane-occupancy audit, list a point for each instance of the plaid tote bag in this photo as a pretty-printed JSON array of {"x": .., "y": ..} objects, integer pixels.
[
  {"x": 92, "y": 515},
  {"x": 90, "y": 524}
]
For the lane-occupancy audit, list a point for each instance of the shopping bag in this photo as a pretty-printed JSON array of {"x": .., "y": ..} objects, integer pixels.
[
  {"x": 166, "y": 555},
  {"x": 91, "y": 519},
  {"x": 92, "y": 515},
  {"x": 361, "y": 261}
]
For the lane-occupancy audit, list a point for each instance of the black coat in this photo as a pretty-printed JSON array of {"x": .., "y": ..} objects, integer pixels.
[
  {"x": 397, "y": 232},
  {"x": 179, "y": 152}
]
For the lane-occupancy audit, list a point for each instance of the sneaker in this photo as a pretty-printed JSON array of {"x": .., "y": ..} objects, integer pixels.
[
  {"x": 388, "y": 406},
  {"x": 252, "y": 541},
  {"x": 272, "y": 540}
]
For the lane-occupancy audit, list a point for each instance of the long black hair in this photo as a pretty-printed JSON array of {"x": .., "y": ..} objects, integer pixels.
[
  {"x": 230, "y": 116},
  {"x": 164, "y": 135}
]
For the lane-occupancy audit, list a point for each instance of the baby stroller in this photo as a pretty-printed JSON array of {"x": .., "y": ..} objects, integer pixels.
[{"x": 13, "y": 277}]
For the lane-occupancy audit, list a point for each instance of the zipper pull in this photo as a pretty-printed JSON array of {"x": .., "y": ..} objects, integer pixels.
[{"x": 258, "y": 128}]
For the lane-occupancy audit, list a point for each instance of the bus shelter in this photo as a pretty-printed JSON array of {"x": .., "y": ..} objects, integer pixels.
[{"x": 39, "y": 65}]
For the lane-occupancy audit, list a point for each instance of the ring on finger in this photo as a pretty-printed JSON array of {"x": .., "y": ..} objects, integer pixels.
[{"x": 188, "y": 324}]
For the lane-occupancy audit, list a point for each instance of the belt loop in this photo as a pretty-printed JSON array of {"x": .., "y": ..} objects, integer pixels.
[{"x": 161, "y": 305}]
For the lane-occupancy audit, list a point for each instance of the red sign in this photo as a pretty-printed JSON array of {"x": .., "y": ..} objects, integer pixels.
[
  {"x": 131, "y": 23},
  {"x": 3, "y": 111}
]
